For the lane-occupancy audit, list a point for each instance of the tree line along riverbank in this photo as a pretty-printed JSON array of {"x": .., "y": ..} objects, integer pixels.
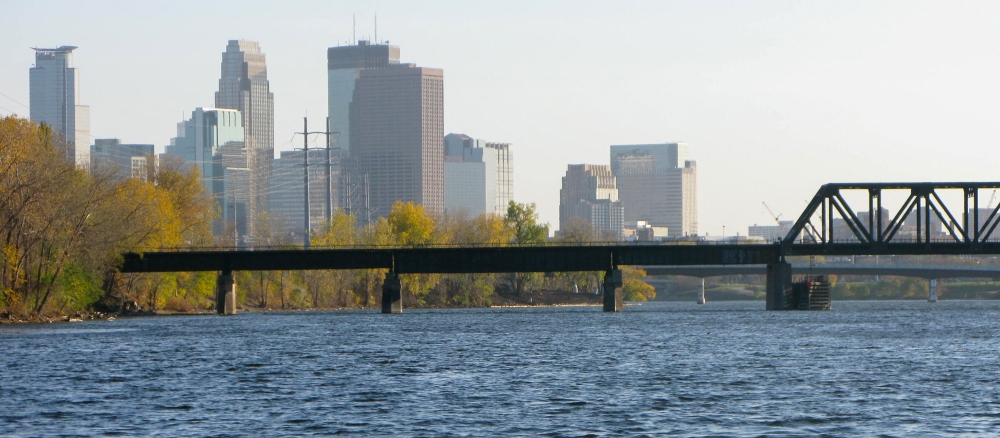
[{"x": 64, "y": 230}]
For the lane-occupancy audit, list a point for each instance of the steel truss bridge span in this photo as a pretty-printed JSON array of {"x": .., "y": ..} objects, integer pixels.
[
  {"x": 831, "y": 226},
  {"x": 828, "y": 226}
]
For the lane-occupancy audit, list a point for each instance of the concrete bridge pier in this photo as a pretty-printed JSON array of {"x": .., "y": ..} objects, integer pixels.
[
  {"x": 701, "y": 292},
  {"x": 932, "y": 294},
  {"x": 225, "y": 294},
  {"x": 613, "y": 296},
  {"x": 392, "y": 297},
  {"x": 779, "y": 286}
]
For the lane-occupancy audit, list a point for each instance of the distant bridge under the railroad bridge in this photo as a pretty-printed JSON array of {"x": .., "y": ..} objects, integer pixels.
[
  {"x": 828, "y": 226},
  {"x": 931, "y": 273}
]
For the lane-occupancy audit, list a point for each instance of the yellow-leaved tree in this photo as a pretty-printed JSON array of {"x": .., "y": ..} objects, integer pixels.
[
  {"x": 472, "y": 290},
  {"x": 634, "y": 288},
  {"x": 411, "y": 226},
  {"x": 334, "y": 287}
]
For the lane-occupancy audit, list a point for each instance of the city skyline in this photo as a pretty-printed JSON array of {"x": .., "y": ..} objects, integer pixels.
[{"x": 769, "y": 84}]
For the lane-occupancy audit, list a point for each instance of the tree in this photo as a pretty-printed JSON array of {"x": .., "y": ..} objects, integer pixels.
[
  {"x": 367, "y": 282},
  {"x": 523, "y": 223},
  {"x": 634, "y": 289},
  {"x": 522, "y": 220},
  {"x": 339, "y": 231},
  {"x": 410, "y": 224},
  {"x": 576, "y": 231},
  {"x": 472, "y": 290},
  {"x": 64, "y": 229}
]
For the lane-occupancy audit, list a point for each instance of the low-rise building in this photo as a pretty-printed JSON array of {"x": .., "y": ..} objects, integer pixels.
[
  {"x": 589, "y": 192},
  {"x": 478, "y": 175},
  {"x": 123, "y": 160}
]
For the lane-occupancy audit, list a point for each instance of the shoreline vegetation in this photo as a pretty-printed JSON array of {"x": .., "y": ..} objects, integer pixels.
[{"x": 65, "y": 228}]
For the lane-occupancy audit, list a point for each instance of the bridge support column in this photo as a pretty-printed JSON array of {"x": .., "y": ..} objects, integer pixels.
[
  {"x": 613, "y": 297},
  {"x": 392, "y": 297},
  {"x": 225, "y": 294},
  {"x": 779, "y": 286},
  {"x": 932, "y": 295},
  {"x": 701, "y": 292}
]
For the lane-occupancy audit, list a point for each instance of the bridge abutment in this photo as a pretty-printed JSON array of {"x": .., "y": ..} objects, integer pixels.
[
  {"x": 779, "y": 286},
  {"x": 701, "y": 292},
  {"x": 225, "y": 294},
  {"x": 392, "y": 297},
  {"x": 613, "y": 296}
]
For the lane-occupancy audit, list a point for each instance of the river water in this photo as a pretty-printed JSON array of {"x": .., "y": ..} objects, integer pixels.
[{"x": 721, "y": 369}]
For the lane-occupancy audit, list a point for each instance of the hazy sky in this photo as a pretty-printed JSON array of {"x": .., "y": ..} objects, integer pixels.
[{"x": 774, "y": 98}]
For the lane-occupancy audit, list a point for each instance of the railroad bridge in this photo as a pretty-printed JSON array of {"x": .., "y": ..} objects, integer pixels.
[{"x": 869, "y": 233}]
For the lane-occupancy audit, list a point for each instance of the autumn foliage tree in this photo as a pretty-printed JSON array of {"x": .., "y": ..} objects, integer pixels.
[{"x": 64, "y": 229}]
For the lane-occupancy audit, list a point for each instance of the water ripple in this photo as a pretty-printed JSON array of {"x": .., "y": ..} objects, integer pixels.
[{"x": 722, "y": 369}]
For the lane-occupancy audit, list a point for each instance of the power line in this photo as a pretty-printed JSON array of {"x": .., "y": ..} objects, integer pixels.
[{"x": 15, "y": 101}]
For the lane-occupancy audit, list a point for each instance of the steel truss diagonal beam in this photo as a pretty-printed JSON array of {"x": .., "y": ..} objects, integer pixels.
[{"x": 913, "y": 223}]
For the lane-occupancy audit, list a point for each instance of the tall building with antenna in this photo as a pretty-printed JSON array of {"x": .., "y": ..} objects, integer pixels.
[
  {"x": 244, "y": 87},
  {"x": 344, "y": 66},
  {"x": 55, "y": 101}
]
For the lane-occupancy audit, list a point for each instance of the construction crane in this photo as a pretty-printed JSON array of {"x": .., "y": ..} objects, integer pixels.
[{"x": 777, "y": 218}]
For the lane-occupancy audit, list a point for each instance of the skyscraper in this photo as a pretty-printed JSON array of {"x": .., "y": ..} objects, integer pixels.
[
  {"x": 344, "y": 65},
  {"x": 478, "y": 175},
  {"x": 658, "y": 184},
  {"x": 589, "y": 192},
  {"x": 244, "y": 87},
  {"x": 397, "y": 125},
  {"x": 213, "y": 140},
  {"x": 55, "y": 101}
]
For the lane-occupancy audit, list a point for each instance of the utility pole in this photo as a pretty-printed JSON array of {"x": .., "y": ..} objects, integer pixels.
[
  {"x": 368, "y": 211},
  {"x": 329, "y": 169},
  {"x": 305, "y": 151},
  {"x": 305, "y": 154},
  {"x": 236, "y": 237}
]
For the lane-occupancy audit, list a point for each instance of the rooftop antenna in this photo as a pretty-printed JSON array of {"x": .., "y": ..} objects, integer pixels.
[
  {"x": 376, "y": 28},
  {"x": 354, "y": 28}
]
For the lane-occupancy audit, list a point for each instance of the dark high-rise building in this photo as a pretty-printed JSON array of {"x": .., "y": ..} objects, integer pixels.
[
  {"x": 397, "y": 125},
  {"x": 244, "y": 87},
  {"x": 344, "y": 65}
]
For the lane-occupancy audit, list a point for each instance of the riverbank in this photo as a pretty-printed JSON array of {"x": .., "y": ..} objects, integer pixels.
[
  {"x": 9, "y": 318},
  {"x": 532, "y": 299}
]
